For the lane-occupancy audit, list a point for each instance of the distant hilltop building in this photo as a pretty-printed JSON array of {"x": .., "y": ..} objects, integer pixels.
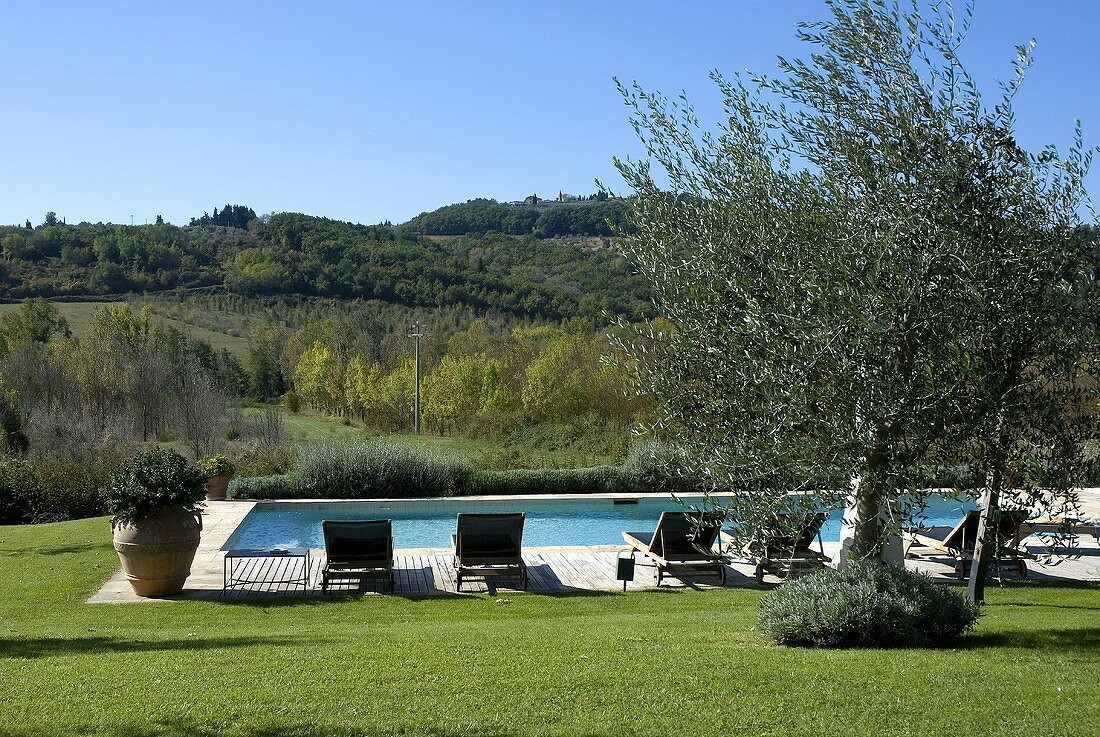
[{"x": 562, "y": 199}]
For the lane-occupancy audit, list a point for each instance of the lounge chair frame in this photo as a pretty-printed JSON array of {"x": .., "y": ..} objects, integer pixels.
[
  {"x": 682, "y": 542},
  {"x": 785, "y": 550},
  {"x": 349, "y": 566},
  {"x": 489, "y": 545},
  {"x": 959, "y": 541}
]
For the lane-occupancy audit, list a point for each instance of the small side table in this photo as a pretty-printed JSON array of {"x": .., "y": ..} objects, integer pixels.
[{"x": 235, "y": 556}]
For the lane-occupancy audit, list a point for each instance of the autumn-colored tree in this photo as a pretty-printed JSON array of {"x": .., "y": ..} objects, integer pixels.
[
  {"x": 319, "y": 379},
  {"x": 362, "y": 386}
]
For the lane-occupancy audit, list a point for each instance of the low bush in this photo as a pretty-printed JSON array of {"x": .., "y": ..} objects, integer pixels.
[
  {"x": 37, "y": 490},
  {"x": 653, "y": 466},
  {"x": 253, "y": 459},
  {"x": 595, "y": 480},
  {"x": 357, "y": 468},
  {"x": 277, "y": 486},
  {"x": 865, "y": 605}
]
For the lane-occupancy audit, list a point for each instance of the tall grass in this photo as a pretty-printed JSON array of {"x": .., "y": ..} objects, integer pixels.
[{"x": 370, "y": 468}]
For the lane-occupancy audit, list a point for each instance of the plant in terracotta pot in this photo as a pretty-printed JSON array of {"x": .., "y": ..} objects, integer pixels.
[
  {"x": 156, "y": 525},
  {"x": 218, "y": 470}
]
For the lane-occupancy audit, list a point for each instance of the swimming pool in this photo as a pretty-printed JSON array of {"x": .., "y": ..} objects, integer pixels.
[{"x": 428, "y": 523}]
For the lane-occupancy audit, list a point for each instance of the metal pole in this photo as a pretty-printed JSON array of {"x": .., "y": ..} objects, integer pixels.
[{"x": 416, "y": 335}]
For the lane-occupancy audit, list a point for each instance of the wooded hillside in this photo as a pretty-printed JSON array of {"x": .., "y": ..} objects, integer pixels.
[{"x": 291, "y": 254}]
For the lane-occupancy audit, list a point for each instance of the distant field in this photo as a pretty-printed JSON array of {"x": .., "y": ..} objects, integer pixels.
[
  {"x": 79, "y": 316},
  {"x": 308, "y": 428},
  {"x": 490, "y": 453}
]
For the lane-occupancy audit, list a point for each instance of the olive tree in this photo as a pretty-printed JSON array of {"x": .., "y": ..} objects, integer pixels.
[{"x": 832, "y": 258}]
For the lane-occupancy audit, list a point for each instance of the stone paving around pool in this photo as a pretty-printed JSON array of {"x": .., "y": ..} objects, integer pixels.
[{"x": 427, "y": 571}]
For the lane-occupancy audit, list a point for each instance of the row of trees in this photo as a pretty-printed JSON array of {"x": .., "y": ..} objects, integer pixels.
[{"x": 231, "y": 216}]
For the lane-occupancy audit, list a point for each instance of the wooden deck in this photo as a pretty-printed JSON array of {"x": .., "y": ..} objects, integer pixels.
[{"x": 428, "y": 572}]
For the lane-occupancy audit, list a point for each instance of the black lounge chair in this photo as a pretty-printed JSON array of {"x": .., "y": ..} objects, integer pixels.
[
  {"x": 682, "y": 542},
  {"x": 959, "y": 541},
  {"x": 489, "y": 545},
  {"x": 358, "y": 550},
  {"x": 785, "y": 548}
]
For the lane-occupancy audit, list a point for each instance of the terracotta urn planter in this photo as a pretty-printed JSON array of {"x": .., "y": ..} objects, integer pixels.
[
  {"x": 157, "y": 552},
  {"x": 215, "y": 488}
]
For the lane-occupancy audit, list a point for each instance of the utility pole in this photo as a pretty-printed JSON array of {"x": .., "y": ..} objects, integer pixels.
[{"x": 416, "y": 335}]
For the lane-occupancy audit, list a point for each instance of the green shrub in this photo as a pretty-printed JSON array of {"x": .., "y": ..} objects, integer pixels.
[
  {"x": 250, "y": 459},
  {"x": 865, "y": 605},
  {"x": 653, "y": 466},
  {"x": 36, "y": 490},
  {"x": 152, "y": 481},
  {"x": 17, "y": 482},
  {"x": 595, "y": 480},
  {"x": 215, "y": 465},
  {"x": 277, "y": 486},
  {"x": 358, "y": 468}
]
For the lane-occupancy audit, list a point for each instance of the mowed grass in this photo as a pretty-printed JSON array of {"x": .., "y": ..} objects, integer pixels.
[
  {"x": 79, "y": 316},
  {"x": 667, "y": 663}
]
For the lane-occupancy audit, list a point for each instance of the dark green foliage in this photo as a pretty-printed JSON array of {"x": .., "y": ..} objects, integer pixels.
[
  {"x": 595, "y": 480},
  {"x": 360, "y": 469},
  {"x": 53, "y": 490},
  {"x": 279, "y": 486},
  {"x": 594, "y": 217},
  {"x": 265, "y": 377},
  {"x": 17, "y": 482},
  {"x": 231, "y": 216},
  {"x": 153, "y": 481},
  {"x": 13, "y": 439},
  {"x": 865, "y": 605}
]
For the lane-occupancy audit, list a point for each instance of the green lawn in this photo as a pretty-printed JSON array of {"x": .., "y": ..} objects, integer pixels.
[{"x": 641, "y": 664}]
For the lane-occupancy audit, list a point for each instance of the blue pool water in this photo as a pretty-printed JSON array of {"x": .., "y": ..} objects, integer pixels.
[{"x": 428, "y": 523}]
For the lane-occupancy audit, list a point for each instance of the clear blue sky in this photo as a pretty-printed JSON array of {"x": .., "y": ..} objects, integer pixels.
[{"x": 368, "y": 111}]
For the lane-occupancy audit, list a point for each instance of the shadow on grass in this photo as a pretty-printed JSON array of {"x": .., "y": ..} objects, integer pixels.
[
  {"x": 57, "y": 550},
  {"x": 42, "y": 647},
  {"x": 1045, "y": 641},
  {"x": 178, "y": 728}
]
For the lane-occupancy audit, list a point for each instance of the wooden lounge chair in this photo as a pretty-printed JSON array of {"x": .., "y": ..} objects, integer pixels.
[
  {"x": 682, "y": 542},
  {"x": 959, "y": 541},
  {"x": 489, "y": 545},
  {"x": 785, "y": 548},
  {"x": 358, "y": 550}
]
